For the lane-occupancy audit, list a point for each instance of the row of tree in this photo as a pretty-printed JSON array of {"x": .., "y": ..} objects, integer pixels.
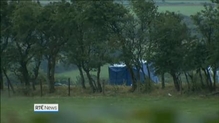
[{"x": 92, "y": 33}]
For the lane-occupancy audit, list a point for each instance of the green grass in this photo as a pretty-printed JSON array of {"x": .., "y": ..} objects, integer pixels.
[
  {"x": 186, "y": 10},
  {"x": 110, "y": 109}
]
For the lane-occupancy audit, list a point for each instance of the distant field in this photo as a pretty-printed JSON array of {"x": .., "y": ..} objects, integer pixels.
[
  {"x": 116, "y": 109},
  {"x": 183, "y": 9},
  {"x": 75, "y": 73},
  {"x": 187, "y": 7},
  {"x": 187, "y": 1}
]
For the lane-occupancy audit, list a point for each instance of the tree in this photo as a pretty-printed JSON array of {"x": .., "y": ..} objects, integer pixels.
[
  {"x": 18, "y": 34},
  {"x": 100, "y": 15},
  {"x": 127, "y": 42},
  {"x": 146, "y": 12},
  {"x": 89, "y": 46},
  {"x": 75, "y": 46},
  {"x": 124, "y": 34},
  {"x": 8, "y": 63},
  {"x": 169, "y": 48},
  {"x": 24, "y": 22},
  {"x": 54, "y": 34},
  {"x": 6, "y": 11},
  {"x": 6, "y": 50},
  {"x": 207, "y": 23},
  {"x": 4, "y": 36}
]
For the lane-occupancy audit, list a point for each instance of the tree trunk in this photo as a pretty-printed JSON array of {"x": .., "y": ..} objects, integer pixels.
[
  {"x": 51, "y": 73},
  {"x": 210, "y": 82},
  {"x": 149, "y": 55},
  {"x": 180, "y": 83},
  {"x": 163, "y": 80},
  {"x": 33, "y": 85},
  {"x": 94, "y": 83},
  {"x": 138, "y": 69},
  {"x": 1, "y": 75},
  {"x": 36, "y": 73},
  {"x": 25, "y": 74},
  {"x": 191, "y": 76},
  {"x": 38, "y": 1},
  {"x": 41, "y": 88},
  {"x": 69, "y": 87},
  {"x": 90, "y": 81},
  {"x": 8, "y": 80},
  {"x": 82, "y": 77},
  {"x": 200, "y": 75},
  {"x": 214, "y": 78},
  {"x": 187, "y": 80},
  {"x": 98, "y": 79},
  {"x": 176, "y": 81},
  {"x": 206, "y": 76},
  {"x": 149, "y": 75},
  {"x": 103, "y": 83},
  {"x": 134, "y": 83},
  {"x": 138, "y": 74}
]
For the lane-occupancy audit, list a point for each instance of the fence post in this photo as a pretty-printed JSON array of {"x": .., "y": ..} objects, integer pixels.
[
  {"x": 41, "y": 88},
  {"x": 68, "y": 86}
]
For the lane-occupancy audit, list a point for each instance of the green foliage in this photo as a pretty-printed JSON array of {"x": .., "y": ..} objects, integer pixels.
[
  {"x": 168, "y": 47},
  {"x": 89, "y": 47},
  {"x": 24, "y": 23},
  {"x": 207, "y": 25}
]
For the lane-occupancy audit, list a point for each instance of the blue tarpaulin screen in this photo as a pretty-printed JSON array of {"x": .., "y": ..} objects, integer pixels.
[{"x": 119, "y": 75}]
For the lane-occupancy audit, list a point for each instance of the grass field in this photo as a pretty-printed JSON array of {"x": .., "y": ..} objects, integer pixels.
[
  {"x": 117, "y": 109},
  {"x": 186, "y": 10},
  {"x": 186, "y": 7},
  {"x": 75, "y": 73}
]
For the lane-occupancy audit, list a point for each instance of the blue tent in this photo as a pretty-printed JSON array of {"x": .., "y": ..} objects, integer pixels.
[
  {"x": 119, "y": 75},
  {"x": 217, "y": 76}
]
